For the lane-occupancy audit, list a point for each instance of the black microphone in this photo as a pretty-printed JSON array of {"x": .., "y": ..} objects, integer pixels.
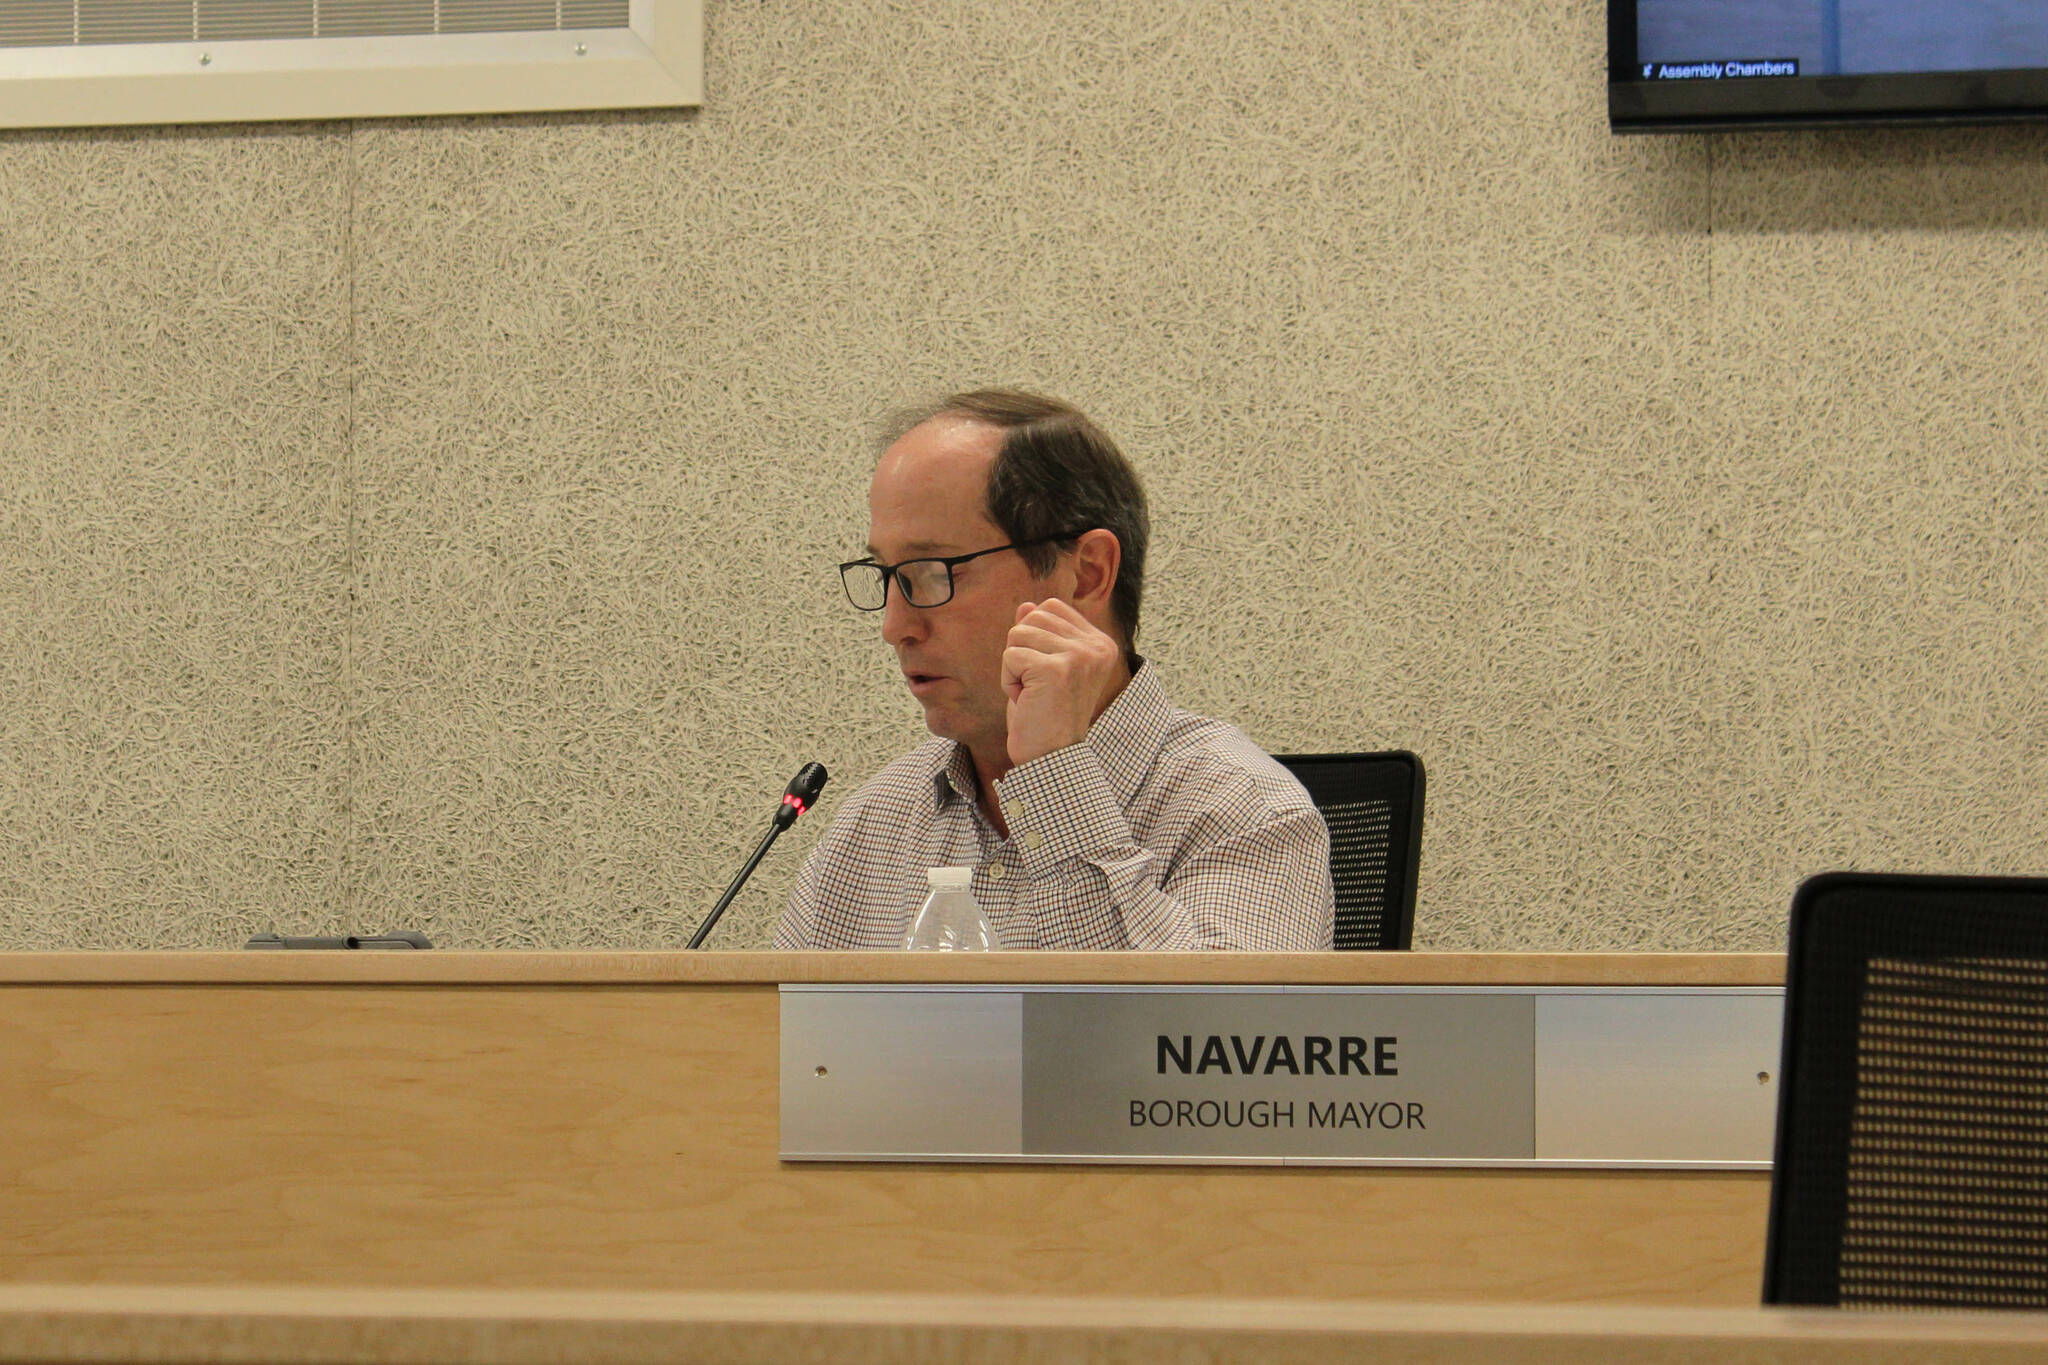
[
  {"x": 803, "y": 790},
  {"x": 802, "y": 794}
]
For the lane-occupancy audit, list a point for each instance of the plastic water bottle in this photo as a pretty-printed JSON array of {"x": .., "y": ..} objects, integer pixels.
[{"x": 950, "y": 920}]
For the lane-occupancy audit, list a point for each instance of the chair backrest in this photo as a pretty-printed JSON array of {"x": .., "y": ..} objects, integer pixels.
[
  {"x": 1373, "y": 806},
  {"x": 1912, "y": 1161}
]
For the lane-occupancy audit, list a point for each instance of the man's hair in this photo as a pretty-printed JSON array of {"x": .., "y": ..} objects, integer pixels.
[{"x": 1055, "y": 471}]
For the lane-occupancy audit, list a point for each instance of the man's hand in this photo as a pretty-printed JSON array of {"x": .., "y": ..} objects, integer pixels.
[{"x": 1059, "y": 673}]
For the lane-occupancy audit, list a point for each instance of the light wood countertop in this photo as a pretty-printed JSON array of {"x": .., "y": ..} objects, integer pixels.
[
  {"x": 100, "y": 1323},
  {"x": 436, "y": 967}
]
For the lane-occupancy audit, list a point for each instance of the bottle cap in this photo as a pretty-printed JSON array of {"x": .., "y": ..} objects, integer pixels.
[{"x": 950, "y": 878}]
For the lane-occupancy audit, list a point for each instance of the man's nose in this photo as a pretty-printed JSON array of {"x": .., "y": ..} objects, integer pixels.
[{"x": 901, "y": 623}]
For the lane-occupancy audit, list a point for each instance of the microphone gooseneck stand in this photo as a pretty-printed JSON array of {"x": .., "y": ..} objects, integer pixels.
[{"x": 803, "y": 791}]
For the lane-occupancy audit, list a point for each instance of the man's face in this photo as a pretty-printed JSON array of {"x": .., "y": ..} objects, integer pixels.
[{"x": 927, "y": 501}]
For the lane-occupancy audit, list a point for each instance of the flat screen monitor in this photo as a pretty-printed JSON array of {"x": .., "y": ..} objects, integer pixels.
[{"x": 1693, "y": 65}]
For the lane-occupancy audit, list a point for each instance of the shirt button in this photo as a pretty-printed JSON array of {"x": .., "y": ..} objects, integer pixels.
[
  {"x": 995, "y": 872},
  {"x": 1034, "y": 840},
  {"x": 1016, "y": 810}
]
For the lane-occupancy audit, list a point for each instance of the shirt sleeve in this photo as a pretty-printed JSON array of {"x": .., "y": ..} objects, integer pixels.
[
  {"x": 1231, "y": 866},
  {"x": 851, "y": 890},
  {"x": 794, "y": 931}
]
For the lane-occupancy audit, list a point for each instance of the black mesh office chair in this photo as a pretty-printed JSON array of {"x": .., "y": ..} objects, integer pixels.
[
  {"x": 1373, "y": 806},
  {"x": 1912, "y": 1163}
]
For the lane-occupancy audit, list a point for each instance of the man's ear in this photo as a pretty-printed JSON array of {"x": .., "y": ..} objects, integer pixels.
[{"x": 1097, "y": 558}]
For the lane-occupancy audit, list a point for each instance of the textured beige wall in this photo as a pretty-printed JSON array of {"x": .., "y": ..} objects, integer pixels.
[
  {"x": 173, "y": 534},
  {"x": 429, "y": 523}
]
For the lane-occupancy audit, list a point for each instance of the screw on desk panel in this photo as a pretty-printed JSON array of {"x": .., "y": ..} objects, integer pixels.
[{"x": 206, "y": 59}]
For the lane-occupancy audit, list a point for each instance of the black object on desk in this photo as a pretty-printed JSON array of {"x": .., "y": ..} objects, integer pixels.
[{"x": 404, "y": 938}]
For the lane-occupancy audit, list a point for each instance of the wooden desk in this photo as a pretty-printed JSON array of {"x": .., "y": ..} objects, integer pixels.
[
  {"x": 55, "y": 1325},
  {"x": 608, "y": 1121}
]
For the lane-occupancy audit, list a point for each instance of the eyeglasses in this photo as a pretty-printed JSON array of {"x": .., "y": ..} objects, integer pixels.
[{"x": 922, "y": 582}]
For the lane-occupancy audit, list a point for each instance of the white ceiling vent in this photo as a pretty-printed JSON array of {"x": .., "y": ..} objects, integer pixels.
[{"x": 66, "y": 63}]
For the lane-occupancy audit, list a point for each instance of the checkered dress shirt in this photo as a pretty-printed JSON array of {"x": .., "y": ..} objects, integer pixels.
[{"x": 1160, "y": 830}]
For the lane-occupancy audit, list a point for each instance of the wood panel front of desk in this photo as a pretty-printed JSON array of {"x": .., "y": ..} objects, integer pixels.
[{"x": 609, "y": 1121}]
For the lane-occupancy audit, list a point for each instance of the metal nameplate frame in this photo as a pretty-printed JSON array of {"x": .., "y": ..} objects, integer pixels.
[{"x": 1677, "y": 1077}]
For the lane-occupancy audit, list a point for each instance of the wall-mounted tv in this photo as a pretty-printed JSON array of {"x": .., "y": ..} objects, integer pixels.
[{"x": 1692, "y": 65}]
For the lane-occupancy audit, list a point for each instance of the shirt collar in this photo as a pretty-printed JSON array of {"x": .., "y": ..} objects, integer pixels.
[
  {"x": 952, "y": 774},
  {"x": 1126, "y": 737}
]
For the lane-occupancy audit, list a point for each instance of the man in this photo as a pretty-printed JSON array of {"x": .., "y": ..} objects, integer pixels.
[{"x": 1006, "y": 555}]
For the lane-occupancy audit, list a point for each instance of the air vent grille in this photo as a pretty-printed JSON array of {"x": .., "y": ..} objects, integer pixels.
[{"x": 67, "y": 23}]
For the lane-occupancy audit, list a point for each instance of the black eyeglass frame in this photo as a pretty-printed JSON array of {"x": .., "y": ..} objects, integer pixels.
[{"x": 891, "y": 573}]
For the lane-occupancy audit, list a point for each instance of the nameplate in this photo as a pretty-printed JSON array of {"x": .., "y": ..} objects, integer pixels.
[{"x": 1680, "y": 1077}]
